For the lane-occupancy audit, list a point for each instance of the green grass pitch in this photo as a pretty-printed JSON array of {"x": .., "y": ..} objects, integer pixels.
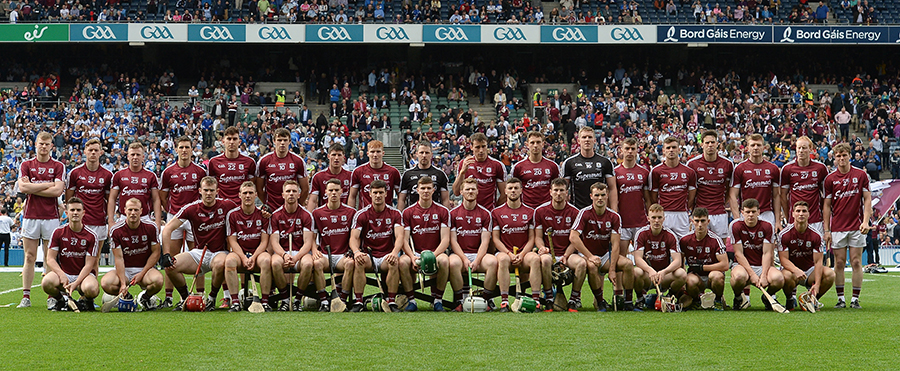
[{"x": 35, "y": 338}]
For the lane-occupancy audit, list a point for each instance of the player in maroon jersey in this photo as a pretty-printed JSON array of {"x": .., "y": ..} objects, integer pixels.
[
  {"x": 758, "y": 179},
  {"x": 377, "y": 227},
  {"x": 713, "y": 181},
  {"x": 633, "y": 189},
  {"x": 535, "y": 171},
  {"x": 673, "y": 185},
  {"x": 802, "y": 179},
  {"x": 426, "y": 226},
  {"x": 595, "y": 235},
  {"x": 802, "y": 250},
  {"x": 41, "y": 179},
  {"x": 335, "y": 170},
  {"x": 297, "y": 256},
  {"x": 558, "y": 215},
  {"x": 704, "y": 254},
  {"x": 207, "y": 218},
  {"x": 248, "y": 240},
  {"x": 657, "y": 256},
  {"x": 277, "y": 167},
  {"x": 135, "y": 246},
  {"x": 846, "y": 192},
  {"x": 332, "y": 222},
  {"x": 375, "y": 169},
  {"x": 490, "y": 174},
  {"x": 73, "y": 250},
  {"x": 90, "y": 182},
  {"x": 231, "y": 168},
  {"x": 470, "y": 238},
  {"x": 754, "y": 249},
  {"x": 137, "y": 182},
  {"x": 514, "y": 227}
]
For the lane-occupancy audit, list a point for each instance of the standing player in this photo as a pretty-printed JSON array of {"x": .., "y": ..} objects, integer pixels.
[
  {"x": 490, "y": 174},
  {"x": 333, "y": 222},
  {"x": 335, "y": 170},
  {"x": 135, "y": 246},
  {"x": 704, "y": 253},
  {"x": 231, "y": 169},
  {"x": 41, "y": 179},
  {"x": 595, "y": 235},
  {"x": 409, "y": 182},
  {"x": 754, "y": 250},
  {"x": 71, "y": 259},
  {"x": 536, "y": 172},
  {"x": 802, "y": 251},
  {"x": 673, "y": 186},
  {"x": 426, "y": 226},
  {"x": 633, "y": 182},
  {"x": 514, "y": 227},
  {"x": 846, "y": 192},
  {"x": 277, "y": 167},
  {"x": 559, "y": 216},
  {"x": 207, "y": 218},
  {"x": 657, "y": 256},
  {"x": 802, "y": 179},
  {"x": 377, "y": 227},
  {"x": 585, "y": 169},
  {"x": 376, "y": 169},
  {"x": 248, "y": 239},
  {"x": 713, "y": 181},
  {"x": 758, "y": 179},
  {"x": 90, "y": 182},
  {"x": 294, "y": 222},
  {"x": 135, "y": 182},
  {"x": 470, "y": 237}
]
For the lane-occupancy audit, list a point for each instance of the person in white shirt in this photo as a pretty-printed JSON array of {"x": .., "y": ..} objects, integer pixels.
[{"x": 6, "y": 224}]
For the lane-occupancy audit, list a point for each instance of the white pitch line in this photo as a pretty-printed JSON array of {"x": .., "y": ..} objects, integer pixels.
[{"x": 16, "y": 289}]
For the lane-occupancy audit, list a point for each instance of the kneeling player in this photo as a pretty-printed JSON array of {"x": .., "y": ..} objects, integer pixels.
[
  {"x": 377, "y": 227},
  {"x": 558, "y": 216},
  {"x": 514, "y": 228},
  {"x": 135, "y": 246},
  {"x": 427, "y": 225},
  {"x": 657, "y": 256},
  {"x": 290, "y": 225},
  {"x": 707, "y": 262},
  {"x": 248, "y": 238},
  {"x": 332, "y": 222},
  {"x": 470, "y": 237},
  {"x": 595, "y": 235},
  {"x": 754, "y": 253},
  {"x": 71, "y": 257},
  {"x": 801, "y": 250}
]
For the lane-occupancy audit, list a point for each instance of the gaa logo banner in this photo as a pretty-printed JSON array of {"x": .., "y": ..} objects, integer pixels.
[
  {"x": 157, "y": 32},
  {"x": 98, "y": 32},
  {"x": 511, "y": 34},
  {"x": 334, "y": 33},
  {"x": 393, "y": 33},
  {"x": 451, "y": 34},
  {"x": 627, "y": 34},
  {"x": 275, "y": 33},
  {"x": 568, "y": 34},
  {"x": 216, "y": 33}
]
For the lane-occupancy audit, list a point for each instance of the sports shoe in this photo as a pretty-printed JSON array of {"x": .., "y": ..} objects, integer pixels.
[
  {"x": 178, "y": 307},
  {"x": 854, "y": 304},
  {"x": 167, "y": 303},
  {"x": 490, "y": 305},
  {"x": 629, "y": 307},
  {"x": 762, "y": 297},
  {"x": 210, "y": 304},
  {"x": 145, "y": 303},
  {"x": 86, "y": 305},
  {"x": 226, "y": 302},
  {"x": 324, "y": 306},
  {"x": 235, "y": 307},
  {"x": 602, "y": 305},
  {"x": 51, "y": 303},
  {"x": 357, "y": 307},
  {"x": 283, "y": 307},
  {"x": 639, "y": 304},
  {"x": 266, "y": 307},
  {"x": 840, "y": 304},
  {"x": 790, "y": 304},
  {"x": 547, "y": 304},
  {"x": 439, "y": 306},
  {"x": 411, "y": 306},
  {"x": 395, "y": 309},
  {"x": 61, "y": 305},
  {"x": 572, "y": 306},
  {"x": 25, "y": 303},
  {"x": 718, "y": 305},
  {"x": 737, "y": 303},
  {"x": 459, "y": 308},
  {"x": 504, "y": 307}
]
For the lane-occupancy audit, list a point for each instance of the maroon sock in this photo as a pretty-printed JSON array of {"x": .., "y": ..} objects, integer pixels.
[
  {"x": 618, "y": 292},
  {"x": 391, "y": 297},
  {"x": 856, "y": 292},
  {"x": 839, "y": 290},
  {"x": 169, "y": 293},
  {"x": 598, "y": 293},
  {"x": 575, "y": 295},
  {"x": 183, "y": 291},
  {"x": 629, "y": 296},
  {"x": 747, "y": 291},
  {"x": 234, "y": 297},
  {"x": 264, "y": 299},
  {"x": 322, "y": 294},
  {"x": 26, "y": 293},
  {"x": 438, "y": 295},
  {"x": 504, "y": 296},
  {"x": 359, "y": 297},
  {"x": 411, "y": 295}
]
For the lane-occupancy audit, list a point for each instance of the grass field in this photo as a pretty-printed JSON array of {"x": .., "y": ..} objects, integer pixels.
[{"x": 698, "y": 340}]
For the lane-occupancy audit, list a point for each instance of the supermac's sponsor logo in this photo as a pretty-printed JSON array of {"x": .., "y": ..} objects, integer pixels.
[
  {"x": 156, "y": 33},
  {"x": 333, "y": 33},
  {"x": 273, "y": 33},
  {"x": 391, "y": 33},
  {"x": 450, "y": 34},
  {"x": 509, "y": 33},
  {"x": 568, "y": 34},
  {"x": 625, "y": 34},
  {"x": 217, "y": 33}
]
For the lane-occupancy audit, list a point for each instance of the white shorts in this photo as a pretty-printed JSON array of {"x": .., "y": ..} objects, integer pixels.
[
  {"x": 334, "y": 259},
  {"x": 679, "y": 222},
  {"x": 296, "y": 267},
  {"x": 472, "y": 257},
  {"x": 378, "y": 262},
  {"x": 628, "y": 234},
  {"x": 74, "y": 277},
  {"x": 840, "y": 240},
  {"x": 130, "y": 272},
  {"x": 206, "y": 266},
  {"x": 102, "y": 231},
  {"x": 768, "y": 216},
  {"x": 718, "y": 224},
  {"x": 809, "y": 272},
  {"x": 756, "y": 268},
  {"x": 39, "y": 229},
  {"x": 817, "y": 227},
  {"x": 182, "y": 231},
  {"x": 604, "y": 259}
]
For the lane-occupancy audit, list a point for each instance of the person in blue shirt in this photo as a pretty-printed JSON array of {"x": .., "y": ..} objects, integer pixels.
[{"x": 334, "y": 93}]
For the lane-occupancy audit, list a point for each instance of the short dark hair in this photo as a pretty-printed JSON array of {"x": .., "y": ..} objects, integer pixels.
[
  {"x": 750, "y": 203},
  {"x": 700, "y": 212},
  {"x": 378, "y": 183}
]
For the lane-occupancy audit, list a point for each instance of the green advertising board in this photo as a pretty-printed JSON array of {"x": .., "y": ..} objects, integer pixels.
[{"x": 34, "y": 32}]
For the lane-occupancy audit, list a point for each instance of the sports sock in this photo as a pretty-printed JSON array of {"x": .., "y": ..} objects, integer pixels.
[
  {"x": 391, "y": 297},
  {"x": 457, "y": 295},
  {"x": 487, "y": 294},
  {"x": 183, "y": 291},
  {"x": 746, "y": 291},
  {"x": 504, "y": 295},
  {"x": 225, "y": 292},
  {"x": 344, "y": 294},
  {"x": 359, "y": 297},
  {"x": 214, "y": 292},
  {"x": 856, "y": 293},
  {"x": 839, "y": 290},
  {"x": 438, "y": 295},
  {"x": 576, "y": 295},
  {"x": 548, "y": 294},
  {"x": 169, "y": 293},
  {"x": 598, "y": 294},
  {"x": 642, "y": 293},
  {"x": 629, "y": 296},
  {"x": 234, "y": 298},
  {"x": 618, "y": 292},
  {"x": 339, "y": 287},
  {"x": 322, "y": 294},
  {"x": 411, "y": 295},
  {"x": 264, "y": 299},
  {"x": 26, "y": 294},
  {"x": 794, "y": 293},
  {"x": 536, "y": 295}
]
